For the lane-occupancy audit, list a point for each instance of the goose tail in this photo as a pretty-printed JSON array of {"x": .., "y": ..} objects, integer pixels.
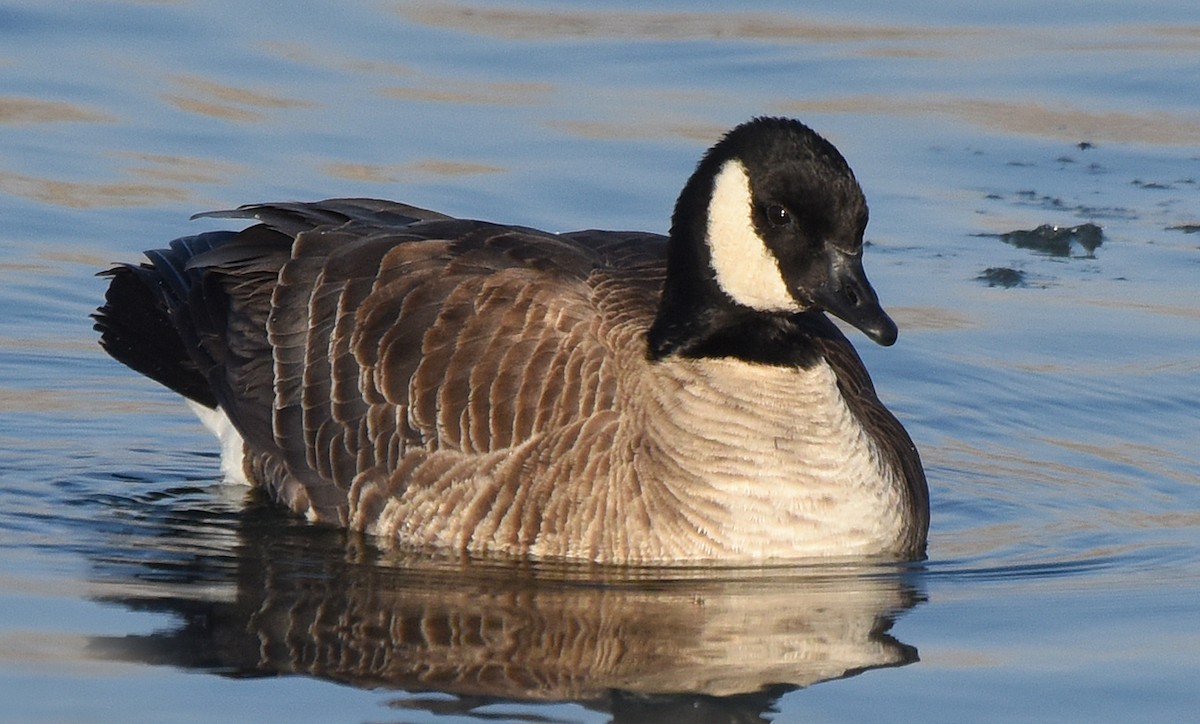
[{"x": 145, "y": 322}]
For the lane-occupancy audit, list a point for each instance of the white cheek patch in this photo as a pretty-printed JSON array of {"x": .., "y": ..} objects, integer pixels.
[{"x": 746, "y": 270}]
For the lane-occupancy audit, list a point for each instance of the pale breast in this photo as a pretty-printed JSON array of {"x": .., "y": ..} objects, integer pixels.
[{"x": 767, "y": 461}]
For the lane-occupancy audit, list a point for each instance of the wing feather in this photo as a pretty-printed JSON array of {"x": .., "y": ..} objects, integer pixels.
[
  {"x": 388, "y": 344},
  {"x": 361, "y": 346}
]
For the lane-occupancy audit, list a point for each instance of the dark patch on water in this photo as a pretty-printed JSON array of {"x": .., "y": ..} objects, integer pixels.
[
  {"x": 1044, "y": 201},
  {"x": 1185, "y": 228},
  {"x": 1002, "y": 276},
  {"x": 1053, "y": 240},
  {"x": 1055, "y": 203}
]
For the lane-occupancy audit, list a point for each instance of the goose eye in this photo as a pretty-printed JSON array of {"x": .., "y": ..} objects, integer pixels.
[{"x": 778, "y": 215}]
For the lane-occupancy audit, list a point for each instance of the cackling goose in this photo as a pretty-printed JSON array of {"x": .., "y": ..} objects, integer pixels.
[{"x": 612, "y": 396}]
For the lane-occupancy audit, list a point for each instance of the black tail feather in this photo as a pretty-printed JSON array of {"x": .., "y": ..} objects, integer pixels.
[
  {"x": 168, "y": 318},
  {"x": 140, "y": 321}
]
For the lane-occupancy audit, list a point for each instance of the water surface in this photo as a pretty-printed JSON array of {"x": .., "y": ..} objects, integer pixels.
[{"x": 1051, "y": 388}]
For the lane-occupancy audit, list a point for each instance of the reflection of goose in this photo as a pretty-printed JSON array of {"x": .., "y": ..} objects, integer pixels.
[
  {"x": 307, "y": 603},
  {"x": 608, "y": 396}
]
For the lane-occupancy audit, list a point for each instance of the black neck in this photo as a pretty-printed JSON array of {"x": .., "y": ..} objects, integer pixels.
[{"x": 729, "y": 331}]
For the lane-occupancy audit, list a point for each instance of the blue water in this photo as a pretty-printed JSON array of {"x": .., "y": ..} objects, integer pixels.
[{"x": 1056, "y": 412}]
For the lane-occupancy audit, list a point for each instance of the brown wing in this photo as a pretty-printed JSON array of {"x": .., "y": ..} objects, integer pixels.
[{"x": 435, "y": 333}]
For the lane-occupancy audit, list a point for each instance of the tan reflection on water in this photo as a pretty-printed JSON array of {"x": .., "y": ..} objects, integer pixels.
[
  {"x": 375, "y": 173},
  {"x": 180, "y": 169},
  {"x": 419, "y": 85},
  {"x": 309, "y": 55},
  {"x": 38, "y": 400},
  {"x": 16, "y": 110},
  {"x": 88, "y": 194},
  {"x": 218, "y": 100},
  {"x": 57, "y": 258},
  {"x": 930, "y": 318},
  {"x": 641, "y": 127},
  {"x": 48, "y": 653},
  {"x": 1168, "y": 310},
  {"x": 521, "y": 23},
  {"x": 1148, "y": 460},
  {"x": 471, "y": 93},
  {"x": 1032, "y": 118},
  {"x": 167, "y": 177}
]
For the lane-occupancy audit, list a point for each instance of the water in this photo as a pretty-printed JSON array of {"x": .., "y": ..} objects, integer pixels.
[{"x": 1056, "y": 411}]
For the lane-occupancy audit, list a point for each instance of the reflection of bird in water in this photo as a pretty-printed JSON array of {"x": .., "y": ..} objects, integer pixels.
[
  {"x": 317, "y": 602},
  {"x": 618, "y": 397}
]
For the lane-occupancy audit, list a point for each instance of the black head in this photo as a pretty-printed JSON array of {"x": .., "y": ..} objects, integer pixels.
[{"x": 769, "y": 226}]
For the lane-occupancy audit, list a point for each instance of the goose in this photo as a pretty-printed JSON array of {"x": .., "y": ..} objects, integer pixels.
[{"x": 616, "y": 397}]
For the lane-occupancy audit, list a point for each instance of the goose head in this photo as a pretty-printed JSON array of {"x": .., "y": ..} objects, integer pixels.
[{"x": 769, "y": 226}]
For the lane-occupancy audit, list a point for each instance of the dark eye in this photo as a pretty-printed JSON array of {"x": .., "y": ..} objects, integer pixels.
[{"x": 778, "y": 215}]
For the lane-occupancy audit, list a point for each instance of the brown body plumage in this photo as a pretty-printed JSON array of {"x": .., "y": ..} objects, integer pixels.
[{"x": 497, "y": 389}]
